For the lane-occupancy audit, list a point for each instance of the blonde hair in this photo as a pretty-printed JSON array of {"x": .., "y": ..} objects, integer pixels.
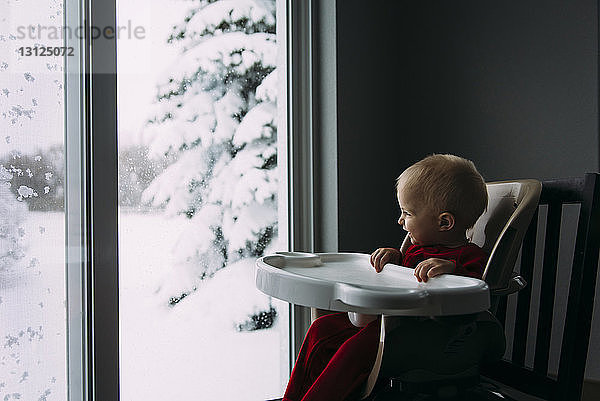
[{"x": 447, "y": 183}]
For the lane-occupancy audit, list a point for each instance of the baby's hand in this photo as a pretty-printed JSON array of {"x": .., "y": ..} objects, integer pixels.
[
  {"x": 433, "y": 267},
  {"x": 382, "y": 256}
]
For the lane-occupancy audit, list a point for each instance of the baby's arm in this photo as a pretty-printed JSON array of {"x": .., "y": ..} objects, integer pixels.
[
  {"x": 382, "y": 256},
  {"x": 433, "y": 267},
  {"x": 470, "y": 263}
]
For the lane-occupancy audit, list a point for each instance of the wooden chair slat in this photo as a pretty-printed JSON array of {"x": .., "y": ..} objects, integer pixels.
[
  {"x": 524, "y": 296},
  {"x": 548, "y": 287}
]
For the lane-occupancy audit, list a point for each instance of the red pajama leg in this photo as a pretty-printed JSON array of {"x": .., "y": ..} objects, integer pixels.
[
  {"x": 349, "y": 367},
  {"x": 324, "y": 338}
]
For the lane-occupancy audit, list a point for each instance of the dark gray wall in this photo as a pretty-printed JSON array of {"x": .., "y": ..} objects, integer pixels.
[{"x": 511, "y": 85}]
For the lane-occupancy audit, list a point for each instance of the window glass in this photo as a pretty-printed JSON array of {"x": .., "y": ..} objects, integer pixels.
[
  {"x": 32, "y": 230},
  {"x": 199, "y": 186}
]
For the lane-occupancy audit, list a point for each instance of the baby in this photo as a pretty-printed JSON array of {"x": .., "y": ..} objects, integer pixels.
[{"x": 440, "y": 198}]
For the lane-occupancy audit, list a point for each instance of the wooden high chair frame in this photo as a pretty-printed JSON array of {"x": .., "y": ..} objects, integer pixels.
[{"x": 514, "y": 371}]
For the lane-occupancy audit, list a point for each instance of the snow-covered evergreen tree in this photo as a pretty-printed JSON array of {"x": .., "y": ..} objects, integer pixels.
[{"x": 215, "y": 119}]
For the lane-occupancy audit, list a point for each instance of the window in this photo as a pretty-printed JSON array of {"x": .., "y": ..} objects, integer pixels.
[
  {"x": 199, "y": 195},
  {"x": 203, "y": 190},
  {"x": 33, "y": 333}
]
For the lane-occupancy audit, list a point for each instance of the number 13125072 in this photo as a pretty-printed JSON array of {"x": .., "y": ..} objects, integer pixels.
[{"x": 45, "y": 51}]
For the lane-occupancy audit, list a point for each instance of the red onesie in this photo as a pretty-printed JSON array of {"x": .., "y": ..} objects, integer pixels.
[
  {"x": 337, "y": 357},
  {"x": 470, "y": 259}
]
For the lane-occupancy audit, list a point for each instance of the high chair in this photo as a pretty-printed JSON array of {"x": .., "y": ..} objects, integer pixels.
[{"x": 314, "y": 280}]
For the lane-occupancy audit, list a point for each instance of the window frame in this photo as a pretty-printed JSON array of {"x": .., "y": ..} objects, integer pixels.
[
  {"x": 92, "y": 189},
  {"x": 312, "y": 137},
  {"x": 91, "y": 204},
  {"x": 299, "y": 126},
  {"x": 100, "y": 83},
  {"x": 75, "y": 209}
]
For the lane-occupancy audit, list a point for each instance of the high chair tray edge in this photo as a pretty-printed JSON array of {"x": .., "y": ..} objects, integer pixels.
[{"x": 346, "y": 282}]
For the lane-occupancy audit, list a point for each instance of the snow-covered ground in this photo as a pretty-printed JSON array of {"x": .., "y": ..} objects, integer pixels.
[
  {"x": 191, "y": 351},
  {"x": 188, "y": 352}
]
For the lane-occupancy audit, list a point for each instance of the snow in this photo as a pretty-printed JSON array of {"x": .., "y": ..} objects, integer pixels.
[
  {"x": 188, "y": 352},
  {"x": 192, "y": 351},
  {"x": 208, "y": 18},
  {"x": 225, "y": 108},
  {"x": 267, "y": 90},
  {"x": 172, "y": 185},
  {"x": 215, "y": 54},
  {"x": 247, "y": 180},
  {"x": 190, "y": 118},
  {"x": 248, "y": 223},
  {"x": 257, "y": 124},
  {"x": 194, "y": 117}
]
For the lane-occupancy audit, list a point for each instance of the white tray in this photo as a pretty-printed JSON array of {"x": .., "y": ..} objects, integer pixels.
[{"x": 347, "y": 282}]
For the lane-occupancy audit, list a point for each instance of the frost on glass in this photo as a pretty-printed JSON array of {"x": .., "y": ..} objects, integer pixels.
[
  {"x": 198, "y": 194},
  {"x": 32, "y": 289}
]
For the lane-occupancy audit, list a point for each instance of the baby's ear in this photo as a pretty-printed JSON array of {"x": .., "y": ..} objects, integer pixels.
[{"x": 446, "y": 221}]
